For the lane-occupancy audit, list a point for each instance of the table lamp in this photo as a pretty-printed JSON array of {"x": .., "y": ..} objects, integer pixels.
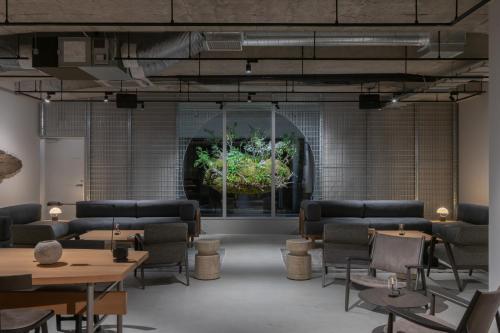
[
  {"x": 443, "y": 213},
  {"x": 54, "y": 213}
]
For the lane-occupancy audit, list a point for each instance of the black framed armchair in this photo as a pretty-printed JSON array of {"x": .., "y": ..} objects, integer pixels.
[
  {"x": 167, "y": 245},
  {"x": 478, "y": 316},
  {"x": 463, "y": 244},
  {"x": 392, "y": 254},
  {"x": 343, "y": 241}
]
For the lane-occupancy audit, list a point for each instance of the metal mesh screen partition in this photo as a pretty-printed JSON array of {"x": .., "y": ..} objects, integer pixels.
[
  {"x": 154, "y": 164},
  {"x": 395, "y": 153},
  {"x": 437, "y": 171},
  {"x": 63, "y": 119},
  {"x": 343, "y": 159},
  {"x": 109, "y": 154}
]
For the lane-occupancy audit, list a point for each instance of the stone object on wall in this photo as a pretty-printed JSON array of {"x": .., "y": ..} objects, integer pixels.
[{"x": 9, "y": 165}]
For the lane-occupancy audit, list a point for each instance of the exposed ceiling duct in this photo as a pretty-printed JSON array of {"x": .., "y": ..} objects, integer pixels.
[
  {"x": 223, "y": 41},
  {"x": 164, "y": 45}
]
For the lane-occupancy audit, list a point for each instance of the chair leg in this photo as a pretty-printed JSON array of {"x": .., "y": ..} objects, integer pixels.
[
  {"x": 58, "y": 323},
  {"x": 186, "y": 263},
  {"x": 143, "y": 284},
  {"x": 45, "y": 328},
  {"x": 347, "y": 291},
  {"x": 497, "y": 319},
  {"x": 470, "y": 272},
  {"x": 453, "y": 265},
  {"x": 430, "y": 258},
  {"x": 78, "y": 323},
  {"x": 424, "y": 282},
  {"x": 325, "y": 272},
  {"x": 180, "y": 267}
]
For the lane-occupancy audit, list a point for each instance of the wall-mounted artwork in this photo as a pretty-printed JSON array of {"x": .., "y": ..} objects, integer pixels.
[{"x": 9, "y": 165}]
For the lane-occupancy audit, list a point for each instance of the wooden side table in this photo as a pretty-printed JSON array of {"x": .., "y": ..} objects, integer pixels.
[
  {"x": 207, "y": 260},
  {"x": 298, "y": 260}
]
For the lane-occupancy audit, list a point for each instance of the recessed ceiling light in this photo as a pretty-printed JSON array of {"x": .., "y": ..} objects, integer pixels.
[{"x": 249, "y": 99}]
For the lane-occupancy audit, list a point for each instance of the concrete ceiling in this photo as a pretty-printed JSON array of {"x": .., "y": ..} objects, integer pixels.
[{"x": 254, "y": 12}]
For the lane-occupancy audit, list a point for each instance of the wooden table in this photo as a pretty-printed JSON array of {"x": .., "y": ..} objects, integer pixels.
[
  {"x": 76, "y": 267},
  {"x": 125, "y": 236},
  {"x": 407, "y": 233}
]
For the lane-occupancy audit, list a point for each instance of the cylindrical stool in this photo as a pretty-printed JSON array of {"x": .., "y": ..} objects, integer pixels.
[
  {"x": 298, "y": 260},
  {"x": 207, "y": 260}
]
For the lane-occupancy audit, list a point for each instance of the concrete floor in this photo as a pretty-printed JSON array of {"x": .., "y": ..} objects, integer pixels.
[{"x": 254, "y": 295}]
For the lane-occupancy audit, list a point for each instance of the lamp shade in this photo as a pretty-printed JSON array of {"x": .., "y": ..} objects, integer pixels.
[
  {"x": 443, "y": 213},
  {"x": 55, "y": 211}
]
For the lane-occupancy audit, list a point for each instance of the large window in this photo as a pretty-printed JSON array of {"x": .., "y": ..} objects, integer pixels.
[{"x": 229, "y": 162}]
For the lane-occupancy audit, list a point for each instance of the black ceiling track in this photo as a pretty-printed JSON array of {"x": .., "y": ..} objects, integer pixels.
[{"x": 171, "y": 22}]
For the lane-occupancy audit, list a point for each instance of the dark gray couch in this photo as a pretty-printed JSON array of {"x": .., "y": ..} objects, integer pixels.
[
  {"x": 20, "y": 225},
  {"x": 132, "y": 214},
  {"x": 378, "y": 214},
  {"x": 464, "y": 242}
]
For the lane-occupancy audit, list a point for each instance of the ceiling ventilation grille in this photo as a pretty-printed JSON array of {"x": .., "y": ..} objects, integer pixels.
[{"x": 224, "y": 41}]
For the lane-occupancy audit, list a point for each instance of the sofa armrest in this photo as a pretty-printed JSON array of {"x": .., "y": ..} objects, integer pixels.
[
  {"x": 312, "y": 210},
  {"x": 31, "y": 234},
  {"x": 462, "y": 234},
  {"x": 5, "y": 228}
]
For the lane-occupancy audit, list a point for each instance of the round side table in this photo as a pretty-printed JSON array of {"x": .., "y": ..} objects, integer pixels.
[
  {"x": 298, "y": 260},
  {"x": 207, "y": 260}
]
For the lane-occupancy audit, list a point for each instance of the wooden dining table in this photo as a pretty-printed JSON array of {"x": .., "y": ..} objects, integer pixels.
[{"x": 79, "y": 267}]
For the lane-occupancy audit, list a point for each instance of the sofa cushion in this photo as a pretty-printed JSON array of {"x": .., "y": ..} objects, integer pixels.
[
  {"x": 142, "y": 221},
  {"x": 23, "y": 214},
  {"x": 106, "y": 208},
  {"x": 312, "y": 210},
  {"x": 355, "y": 233},
  {"x": 393, "y": 208},
  {"x": 474, "y": 214},
  {"x": 345, "y": 221},
  {"x": 392, "y": 223},
  {"x": 341, "y": 208},
  {"x": 60, "y": 229},
  {"x": 82, "y": 225},
  {"x": 157, "y": 208}
]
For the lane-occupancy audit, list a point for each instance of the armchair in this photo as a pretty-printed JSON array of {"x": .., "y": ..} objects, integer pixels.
[
  {"x": 462, "y": 244},
  {"x": 477, "y": 318},
  {"x": 167, "y": 245},
  {"x": 343, "y": 241},
  {"x": 398, "y": 255}
]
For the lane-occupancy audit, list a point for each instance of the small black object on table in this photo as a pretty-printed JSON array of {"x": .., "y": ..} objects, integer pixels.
[{"x": 382, "y": 297}]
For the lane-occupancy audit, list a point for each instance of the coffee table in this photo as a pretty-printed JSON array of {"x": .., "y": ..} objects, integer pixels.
[
  {"x": 407, "y": 233},
  {"x": 407, "y": 300},
  {"x": 125, "y": 236}
]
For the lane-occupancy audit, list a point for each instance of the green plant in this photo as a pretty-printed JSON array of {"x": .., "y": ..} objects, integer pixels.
[{"x": 249, "y": 163}]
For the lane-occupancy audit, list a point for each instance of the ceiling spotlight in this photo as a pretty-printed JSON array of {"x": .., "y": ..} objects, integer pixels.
[
  {"x": 248, "y": 68},
  {"x": 453, "y": 96},
  {"x": 249, "y": 99},
  {"x": 276, "y": 105},
  {"x": 106, "y": 97},
  {"x": 142, "y": 105},
  {"x": 394, "y": 100},
  {"x": 221, "y": 105},
  {"x": 47, "y": 98}
]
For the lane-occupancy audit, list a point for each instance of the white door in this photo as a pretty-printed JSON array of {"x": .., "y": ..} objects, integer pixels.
[{"x": 64, "y": 173}]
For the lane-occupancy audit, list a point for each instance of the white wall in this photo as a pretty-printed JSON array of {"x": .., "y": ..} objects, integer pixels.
[
  {"x": 19, "y": 137},
  {"x": 473, "y": 163},
  {"x": 494, "y": 122}
]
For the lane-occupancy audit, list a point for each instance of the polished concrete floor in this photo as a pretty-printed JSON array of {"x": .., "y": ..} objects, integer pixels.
[{"x": 254, "y": 295}]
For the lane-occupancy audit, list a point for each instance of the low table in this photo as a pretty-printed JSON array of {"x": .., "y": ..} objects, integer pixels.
[
  {"x": 407, "y": 233},
  {"x": 407, "y": 300},
  {"x": 298, "y": 263},
  {"x": 125, "y": 236},
  {"x": 207, "y": 260}
]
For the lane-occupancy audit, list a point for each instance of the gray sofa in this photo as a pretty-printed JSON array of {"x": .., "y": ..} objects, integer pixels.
[
  {"x": 377, "y": 214},
  {"x": 135, "y": 214},
  {"x": 462, "y": 244},
  {"x": 21, "y": 225}
]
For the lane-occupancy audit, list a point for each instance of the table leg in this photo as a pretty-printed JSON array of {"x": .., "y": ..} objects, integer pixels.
[
  {"x": 90, "y": 308},
  {"x": 390, "y": 322},
  {"x": 119, "y": 318}
]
